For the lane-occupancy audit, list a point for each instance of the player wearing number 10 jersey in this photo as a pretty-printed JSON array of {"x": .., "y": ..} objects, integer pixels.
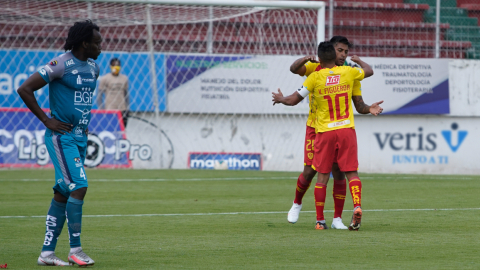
[
  {"x": 332, "y": 89},
  {"x": 306, "y": 66}
]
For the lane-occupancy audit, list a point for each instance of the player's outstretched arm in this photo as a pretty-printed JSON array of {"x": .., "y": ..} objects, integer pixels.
[
  {"x": 32, "y": 84},
  {"x": 291, "y": 100},
  {"x": 298, "y": 67},
  {"x": 366, "y": 67},
  {"x": 363, "y": 108}
]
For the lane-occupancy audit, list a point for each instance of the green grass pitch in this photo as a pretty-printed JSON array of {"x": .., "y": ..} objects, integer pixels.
[{"x": 189, "y": 219}]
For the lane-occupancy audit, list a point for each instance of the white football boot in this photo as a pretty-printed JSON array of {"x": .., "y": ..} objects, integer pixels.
[
  {"x": 51, "y": 260},
  {"x": 338, "y": 224},
  {"x": 80, "y": 258},
  {"x": 294, "y": 213}
]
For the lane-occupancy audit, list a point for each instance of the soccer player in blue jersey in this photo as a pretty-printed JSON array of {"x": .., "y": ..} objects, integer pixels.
[{"x": 72, "y": 79}]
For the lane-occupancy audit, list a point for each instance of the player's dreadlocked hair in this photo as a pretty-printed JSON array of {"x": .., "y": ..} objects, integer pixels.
[
  {"x": 78, "y": 33},
  {"x": 326, "y": 52}
]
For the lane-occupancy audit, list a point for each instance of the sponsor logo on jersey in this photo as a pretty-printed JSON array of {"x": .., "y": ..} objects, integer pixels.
[
  {"x": 92, "y": 72},
  {"x": 332, "y": 80},
  {"x": 83, "y": 98},
  {"x": 59, "y": 180},
  {"x": 53, "y": 63},
  {"x": 78, "y": 162},
  {"x": 91, "y": 63},
  {"x": 71, "y": 186},
  {"x": 74, "y": 71},
  {"x": 79, "y": 131},
  {"x": 339, "y": 124},
  {"x": 42, "y": 71},
  {"x": 80, "y": 79},
  {"x": 85, "y": 112},
  {"x": 70, "y": 62}
]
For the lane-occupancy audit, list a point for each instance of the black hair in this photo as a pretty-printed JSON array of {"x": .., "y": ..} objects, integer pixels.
[
  {"x": 115, "y": 59},
  {"x": 78, "y": 33},
  {"x": 340, "y": 39},
  {"x": 326, "y": 52}
]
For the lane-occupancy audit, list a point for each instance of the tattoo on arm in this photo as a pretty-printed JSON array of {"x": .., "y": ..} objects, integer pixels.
[
  {"x": 298, "y": 64},
  {"x": 360, "y": 106}
]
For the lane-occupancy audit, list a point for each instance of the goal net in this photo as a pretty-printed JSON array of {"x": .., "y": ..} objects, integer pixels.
[{"x": 200, "y": 79}]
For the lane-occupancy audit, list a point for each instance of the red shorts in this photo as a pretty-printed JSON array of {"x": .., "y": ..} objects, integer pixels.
[
  {"x": 308, "y": 149},
  {"x": 336, "y": 146}
]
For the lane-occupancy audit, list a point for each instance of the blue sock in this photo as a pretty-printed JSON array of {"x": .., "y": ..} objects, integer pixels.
[
  {"x": 74, "y": 221},
  {"x": 55, "y": 221}
]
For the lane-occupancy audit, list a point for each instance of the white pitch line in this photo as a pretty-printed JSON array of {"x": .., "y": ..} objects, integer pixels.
[
  {"x": 243, "y": 178},
  {"x": 159, "y": 179},
  {"x": 254, "y": 213}
]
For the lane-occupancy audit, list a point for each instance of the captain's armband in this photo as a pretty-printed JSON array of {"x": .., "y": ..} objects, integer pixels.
[{"x": 303, "y": 91}]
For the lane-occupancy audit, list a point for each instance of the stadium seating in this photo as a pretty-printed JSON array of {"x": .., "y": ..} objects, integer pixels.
[
  {"x": 395, "y": 28},
  {"x": 473, "y": 10},
  {"x": 400, "y": 28}
]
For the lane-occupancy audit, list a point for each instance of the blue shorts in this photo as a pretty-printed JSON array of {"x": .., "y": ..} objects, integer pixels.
[{"x": 68, "y": 156}]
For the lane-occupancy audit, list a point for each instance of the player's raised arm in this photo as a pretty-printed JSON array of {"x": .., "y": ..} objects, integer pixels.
[
  {"x": 32, "y": 84},
  {"x": 366, "y": 67},
  {"x": 291, "y": 100},
  {"x": 298, "y": 67},
  {"x": 363, "y": 108}
]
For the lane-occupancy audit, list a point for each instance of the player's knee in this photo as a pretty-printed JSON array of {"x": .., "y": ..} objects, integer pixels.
[
  {"x": 79, "y": 194},
  {"x": 352, "y": 174},
  {"x": 58, "y": 197},
  {"x": 309, "y": 173},
  {"x": 337, "y": 174}
]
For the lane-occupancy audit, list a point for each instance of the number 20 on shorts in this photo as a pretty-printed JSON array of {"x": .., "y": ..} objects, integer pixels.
[{"x": 309, "y": 146}]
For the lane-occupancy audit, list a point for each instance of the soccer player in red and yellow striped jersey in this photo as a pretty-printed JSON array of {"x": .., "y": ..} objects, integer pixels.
[
  {"x": 305, "y": 66},
  {"x": 335, "y": 141}
]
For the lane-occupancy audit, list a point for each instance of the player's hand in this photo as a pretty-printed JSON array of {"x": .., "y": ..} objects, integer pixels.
[
  {"x": 355, "y": 59},
  {"x": 311, "y": 58},
  {"x": 277, "y": 97},
  {"x": 58, "y": 126},
  {"x": 375, "y": 108},
  {"x": 86, "y": 131}
]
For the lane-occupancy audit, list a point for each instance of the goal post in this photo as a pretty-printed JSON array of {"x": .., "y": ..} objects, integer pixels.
[
  {"x": 319, "y": 6},
  {"x": 200, "y": 78}
]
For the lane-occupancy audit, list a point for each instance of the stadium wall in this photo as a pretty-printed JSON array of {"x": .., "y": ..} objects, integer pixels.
[
  {"x": 386, "y": 144},
  {"x": 464, "y": 78},
  {"x": 434, "y": 144},
  {"x": 428, "y": 125}
]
